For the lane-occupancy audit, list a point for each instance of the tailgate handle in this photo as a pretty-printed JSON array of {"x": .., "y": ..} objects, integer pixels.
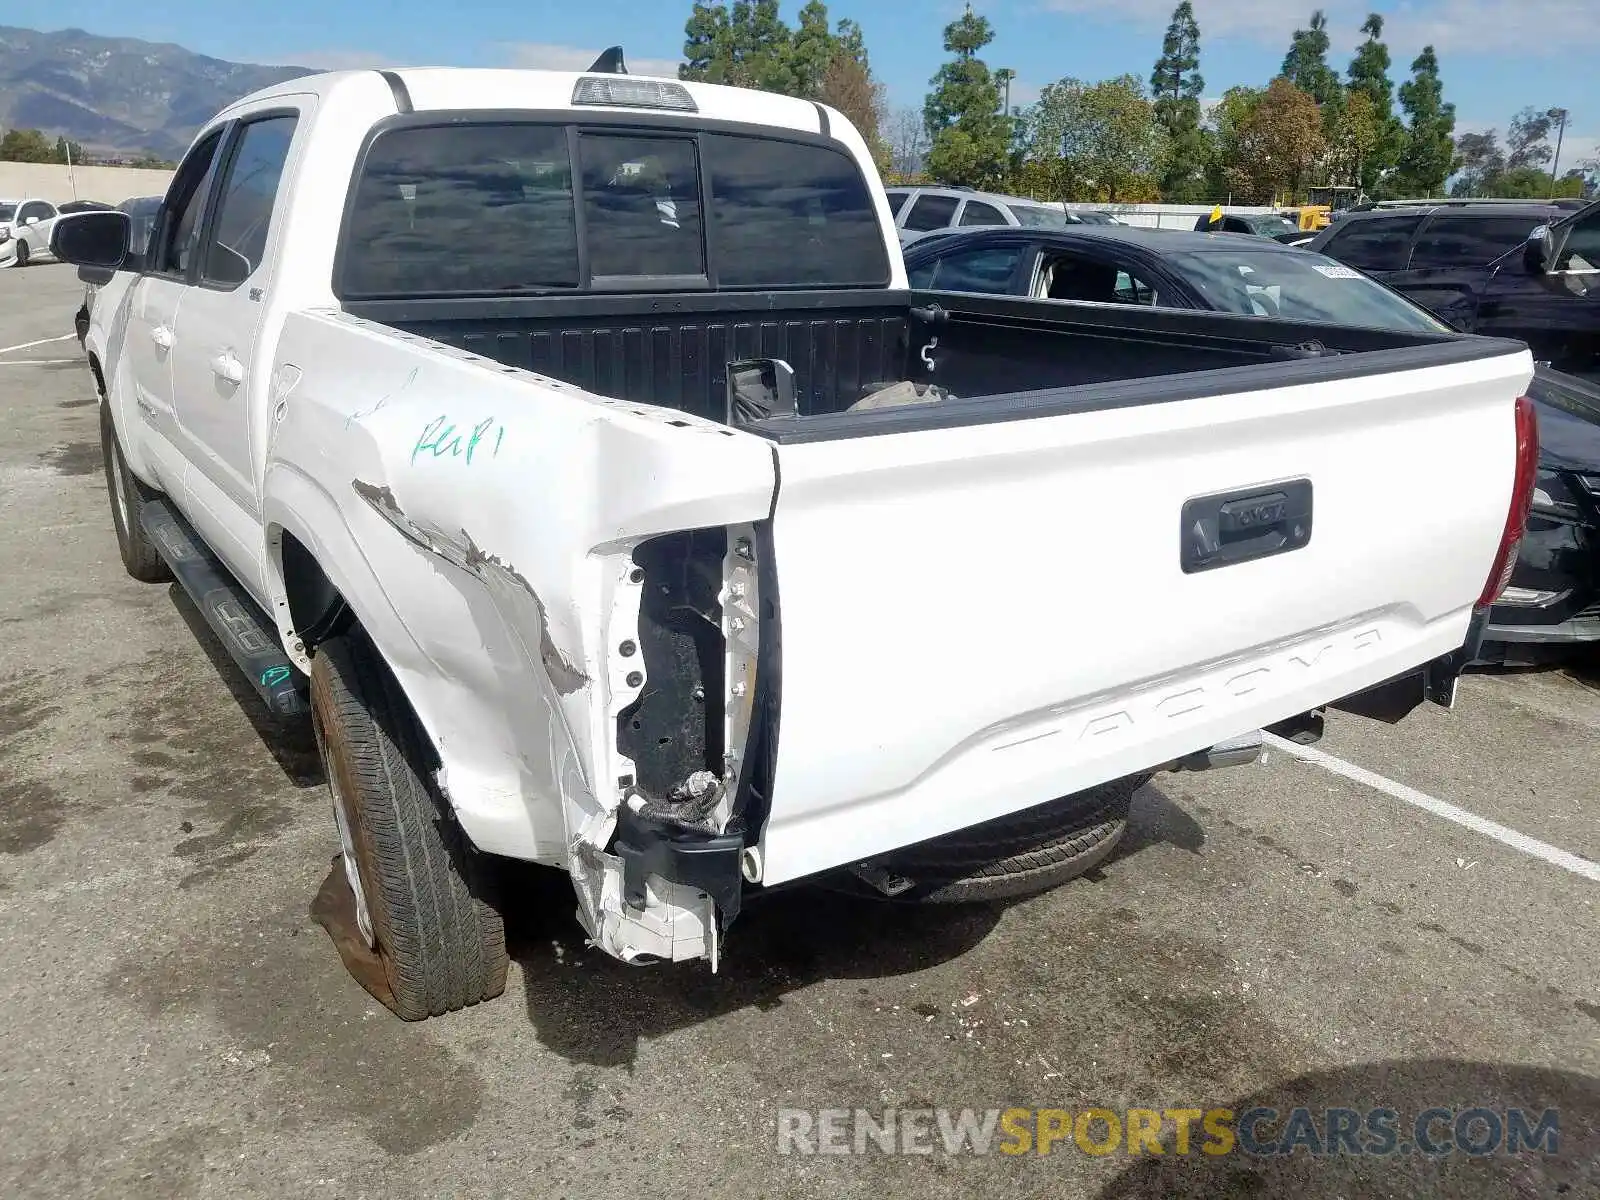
[{"x": 1234, "y": 527}]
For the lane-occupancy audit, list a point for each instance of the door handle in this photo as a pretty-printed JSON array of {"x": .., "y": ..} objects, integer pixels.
[
  {"x": 162, "y": 337},
  {"x": 228, "y": 368}
]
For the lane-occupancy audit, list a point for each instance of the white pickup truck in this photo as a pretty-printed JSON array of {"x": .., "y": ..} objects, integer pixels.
[{"x": 571, "y": 447}]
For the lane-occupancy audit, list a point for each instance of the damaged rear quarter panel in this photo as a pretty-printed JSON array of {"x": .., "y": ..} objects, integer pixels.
[{"x": 477, "y": 518}]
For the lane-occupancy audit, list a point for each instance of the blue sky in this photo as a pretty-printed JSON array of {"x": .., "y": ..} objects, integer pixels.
[{"x": 1496, "y": 55}]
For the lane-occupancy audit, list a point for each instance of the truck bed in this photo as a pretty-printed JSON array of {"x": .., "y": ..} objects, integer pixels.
[{"x": 673, "y": 350}]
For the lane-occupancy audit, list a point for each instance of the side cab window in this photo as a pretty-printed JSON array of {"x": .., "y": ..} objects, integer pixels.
[
  {"x": 176, "y": 235},
  {"x": 235, "y": 240}
]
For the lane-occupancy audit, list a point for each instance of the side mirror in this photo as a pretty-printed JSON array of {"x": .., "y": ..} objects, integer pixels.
[
  {"x": 92, "y": 239},
  {"x": 30, "y": 220},
  {"x": 1538, "y": 252}
]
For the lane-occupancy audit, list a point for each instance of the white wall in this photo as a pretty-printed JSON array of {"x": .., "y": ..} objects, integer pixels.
[
  {"x": 47, "y": 181},
  {"x": 1170, "y": 216}
]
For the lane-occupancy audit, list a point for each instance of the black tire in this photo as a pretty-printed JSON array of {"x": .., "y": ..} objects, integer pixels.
[
  {"x": 430, "y": 897},
  {"x": 1019, "y": 855},
  {"x": 22, "y": 253},
  {"x": 128, "y": 497}
]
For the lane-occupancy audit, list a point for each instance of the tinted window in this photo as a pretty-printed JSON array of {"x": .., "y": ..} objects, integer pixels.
[
  {"x": 1464, "y": 241},
  {"x": 141, "y": 214},
  {"x": 896, "y": 201},
  {"x": 986, "y": 270},
  {"x": 1069, "y": 277},
  {"x": 1298, "y": 285},
  {"x": 930, "y": 212},
  {"x": 978, "y": 213},
  {"x": 1270, "y": 226},
  {"x": 641, "y": 205},
  {"x": 1036, "y": 216},
  {"x": 37, "y": 209},
  {"x": 463, "y": 209},
  {"x": 7, "y": 211},
  {"x": 180, "y": 229},
  {"x": 77, "y": 206},
  {"x": 244, "y": 206},
  {"x": 1582, "y": 250},
  {"x": 474, "y": 209},
  {"x": 785, "y": 214},
  {"x": 1379, "y": 244}
]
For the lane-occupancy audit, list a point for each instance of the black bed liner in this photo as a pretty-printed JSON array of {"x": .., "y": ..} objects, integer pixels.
[{"x": 1001, "y": 358}]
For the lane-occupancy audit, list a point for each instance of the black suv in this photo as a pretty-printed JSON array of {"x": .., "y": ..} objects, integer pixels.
[
  {"x": 1479, "y": 267},
  {"x": 1530, "y": 272}
]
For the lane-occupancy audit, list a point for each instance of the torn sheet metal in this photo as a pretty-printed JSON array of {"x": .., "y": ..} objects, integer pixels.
[{"x": 504, "y": 581}]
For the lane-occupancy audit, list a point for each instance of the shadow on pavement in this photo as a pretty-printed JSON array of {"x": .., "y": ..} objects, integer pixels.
[
  {"x": 1410, "y": 1087},
  {"x": 288, "y": 739},
  {"x": 595, "y": 1010}
]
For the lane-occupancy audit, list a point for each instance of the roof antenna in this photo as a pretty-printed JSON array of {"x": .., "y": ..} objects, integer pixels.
[{"x": 610, "y": 63}]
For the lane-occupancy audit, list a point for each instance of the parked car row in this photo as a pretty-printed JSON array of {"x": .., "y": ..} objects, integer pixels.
[
  {"x": 25, "y": 227},
  {"x": 920, "y": 211},
  {"x": 1499, "y": 281}
]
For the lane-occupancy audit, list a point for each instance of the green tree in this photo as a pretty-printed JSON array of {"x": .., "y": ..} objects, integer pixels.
[
  {"x": 67, "y": 151},
  {"x": 1306, "y": 64},
  {"x": 1428, "y": 154},
  {"x": 1175, "y": 89},
  {"x": 812, "y": 49},
  {"x": 1357, "y": 134},
  {"x": 1230, "y": 120},
  {"x": 968, "y": 136},
  {"x": 1106, "y": 131},
  {"x": 1275, "y": 144},
  {"x": 26, "y": 145},
  {"x": 1369, "y": 74},
  {"x": 1528, "y": 139},
  {"x": 745, "y": 45},
  {"x": 1480, "y": 161},
  {"x": 1530, "y": 183}
]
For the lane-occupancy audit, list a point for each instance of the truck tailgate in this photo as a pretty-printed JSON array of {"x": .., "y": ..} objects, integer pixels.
[{"x": 980, "y": 617}]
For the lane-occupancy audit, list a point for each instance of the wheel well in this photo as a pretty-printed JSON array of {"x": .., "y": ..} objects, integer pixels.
[{"x": 316, "y": 608}]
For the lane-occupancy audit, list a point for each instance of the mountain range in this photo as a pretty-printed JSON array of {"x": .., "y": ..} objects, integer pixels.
[{"x": 118, "y": 96}]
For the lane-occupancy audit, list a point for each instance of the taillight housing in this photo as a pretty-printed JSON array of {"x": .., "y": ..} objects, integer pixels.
[{"x": 1505, "y": 560}]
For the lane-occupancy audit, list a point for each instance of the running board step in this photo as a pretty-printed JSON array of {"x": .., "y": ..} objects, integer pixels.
[{"x": 236, "y": 619}]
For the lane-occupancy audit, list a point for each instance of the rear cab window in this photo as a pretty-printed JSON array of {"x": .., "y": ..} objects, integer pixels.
[
  {"x": 493, "y": 207},
  {"x": 1375, "y": 244}
]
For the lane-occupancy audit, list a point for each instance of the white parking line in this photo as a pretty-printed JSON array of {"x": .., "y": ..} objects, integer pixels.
[
  {"x": 36, "y": 362},
  {"x": 40, "y": 342},
  {"x": 1553, "y": 855}
]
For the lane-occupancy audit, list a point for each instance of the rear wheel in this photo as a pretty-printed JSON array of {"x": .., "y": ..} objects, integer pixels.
[
  {"x": 128, "y": 498},
  {"x": 424, "y": 899},
  {"x": 1019, "y": 855}
]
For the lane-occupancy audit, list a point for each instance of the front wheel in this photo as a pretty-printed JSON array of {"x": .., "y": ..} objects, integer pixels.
[{"x": 424, "y": 899}]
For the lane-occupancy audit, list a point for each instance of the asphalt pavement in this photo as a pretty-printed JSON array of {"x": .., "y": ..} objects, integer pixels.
[{"x": 174, "y": 1022}]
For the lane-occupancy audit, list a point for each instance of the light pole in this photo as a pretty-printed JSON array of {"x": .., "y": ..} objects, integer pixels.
[{"x": 1559, "y": 115}]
